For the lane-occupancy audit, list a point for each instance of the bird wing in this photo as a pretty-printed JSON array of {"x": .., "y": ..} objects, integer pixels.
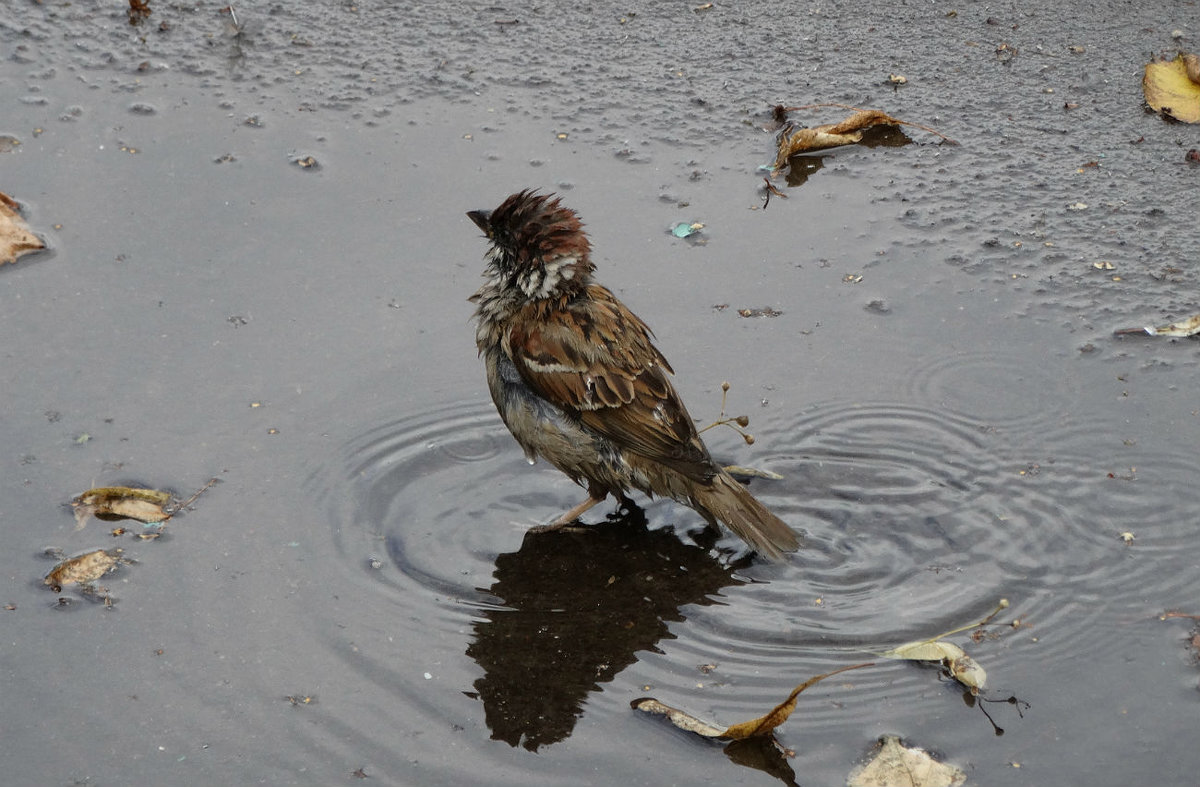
[{"x": 594, "y": 358}]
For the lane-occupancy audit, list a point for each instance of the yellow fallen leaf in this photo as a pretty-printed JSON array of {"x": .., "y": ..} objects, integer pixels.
[
  {"x": 1172, "y": 87},
  {"x": 15, "y": 236}
]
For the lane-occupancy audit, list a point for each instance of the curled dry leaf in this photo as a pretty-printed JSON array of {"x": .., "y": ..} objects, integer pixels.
[
  {"x": 1172, "y": 87},
  {"x": 967, "y": 671},
  {"x": 15, "y": 236},
  {"x": 144, "y": 505},
  {"x": 961, "y": 667},
  {"x": 925, "y": 650},
  {"x": 895, "y": 765},
  {"x": 763, "y": 725},
  {"x": 1188, "y": 327},
  {"x": 85, "y": 568},
  {"x": 794, "y": 139}
]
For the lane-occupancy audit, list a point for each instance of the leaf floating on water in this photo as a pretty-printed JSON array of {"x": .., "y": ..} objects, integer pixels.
[
  {"x": 961, "y": 667},
  {"x": 793, "y": 139},
  {"x": 122, "y": 502},
  {"x": 781, "y": 712},
  {"x": 681, "y": 719},
  {"x": 1188, "y": 327},
  {"x": 925, "y": 650},
  {"x": 84, "y": 569},
  {"x": 896, "y": 765},
  {"x": 1172, "y": 87},
  {"x": 761, "y": 726},
  {"x": 803, "y": 140},
  {"x": 16, "y": 238},
  {"x": 966, "y": 671}
]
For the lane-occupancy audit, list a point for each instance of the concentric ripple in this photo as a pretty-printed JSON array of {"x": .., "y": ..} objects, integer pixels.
[
  {"x": 920, "y": 521},
  {"x": 916, "y": 518},
  {"x": 998, "y": 390},
  {"x": 1131, "y": 507},
  {"x": 420, "y": 490}
]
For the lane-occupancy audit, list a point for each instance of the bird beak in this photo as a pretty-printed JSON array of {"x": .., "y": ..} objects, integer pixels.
[{"x": 481, "y": 219}]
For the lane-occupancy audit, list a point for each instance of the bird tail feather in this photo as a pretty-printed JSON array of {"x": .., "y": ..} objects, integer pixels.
[{"x": 731, "y": 503}]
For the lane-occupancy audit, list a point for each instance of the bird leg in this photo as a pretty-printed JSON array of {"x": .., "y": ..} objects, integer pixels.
[{"x": 594, "y": 498}]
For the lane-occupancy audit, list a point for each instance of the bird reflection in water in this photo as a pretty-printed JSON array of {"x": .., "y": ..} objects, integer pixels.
[{"x": 578, "y": 606}]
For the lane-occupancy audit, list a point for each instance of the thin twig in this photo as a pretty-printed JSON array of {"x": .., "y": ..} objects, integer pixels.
[{"x": 192, "y": 499}]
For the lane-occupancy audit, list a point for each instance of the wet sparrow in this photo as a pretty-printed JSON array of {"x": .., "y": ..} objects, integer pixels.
[{"x": 578, "y": 380}]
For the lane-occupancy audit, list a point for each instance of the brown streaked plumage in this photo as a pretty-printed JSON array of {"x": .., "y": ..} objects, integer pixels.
[{"x": 577, "y": 379}]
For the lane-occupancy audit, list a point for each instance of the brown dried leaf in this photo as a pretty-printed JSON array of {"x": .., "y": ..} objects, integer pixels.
[
  {"x": 1172, "y": 87},
  {"x": 15, "y": 236},
  {"x": 1188, "y": 327},
  {"x": 792, "y": 140},
  {"x": 144, "y": 505},
  {"x": 747, "y": 729},
  {"x": 84, "y": 568},
  {"x": 803, "y": 140},
  {"x": 898, "y": 766},
  {"x": 863, "y": 120}
]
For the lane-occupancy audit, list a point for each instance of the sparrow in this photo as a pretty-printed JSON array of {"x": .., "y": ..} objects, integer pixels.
[{"x": 578, "y": 381}]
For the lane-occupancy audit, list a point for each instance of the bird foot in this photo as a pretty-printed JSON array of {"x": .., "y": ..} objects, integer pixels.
[{"x": 568, "y": 519}]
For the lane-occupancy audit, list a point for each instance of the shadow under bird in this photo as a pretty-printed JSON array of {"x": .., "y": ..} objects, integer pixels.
[{"x": 578, "y": 381}]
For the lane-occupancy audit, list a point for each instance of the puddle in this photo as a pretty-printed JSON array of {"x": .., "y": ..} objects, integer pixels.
[{"x": 258, "y": 268}]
